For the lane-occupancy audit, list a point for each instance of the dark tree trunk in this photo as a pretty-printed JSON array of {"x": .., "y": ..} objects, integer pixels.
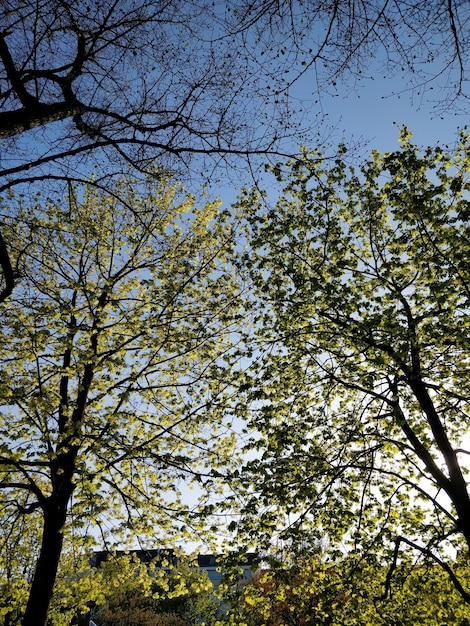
[
  {"x": 55, "y": 512},
  {"x": 456, "y": 487},
  {"x": 8, "y": 275}
]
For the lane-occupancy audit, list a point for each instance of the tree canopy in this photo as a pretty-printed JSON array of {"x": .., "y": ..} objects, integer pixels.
[
  {"x": 121, "y": 590},
  {"x": 309, "y": 592},
  {"x": 194, "y": 84},
  {"x": 109, "y": 387},
  {"x": 358, "y": 393},
  {"x": 157, "y": 594}
]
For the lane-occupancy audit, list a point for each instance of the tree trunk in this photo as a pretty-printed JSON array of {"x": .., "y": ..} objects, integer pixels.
[
  {"x": 8, "y": 275},
  {"x": 48, "y": 562}
]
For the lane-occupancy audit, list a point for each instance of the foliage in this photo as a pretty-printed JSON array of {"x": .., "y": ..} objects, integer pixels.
[
  {"x": 314, "y": 593},
  {"x": 359, "y": 388},
  {"x": 109, "y": 380},
  {"x": 77, "y": 587},
  {"x": 125, "y": 591},
  {"x": 20, "y": 537},
  {"x": 127, "y": 86},
  {"x": 180, "y": 595},
  {"x": 301, "y": 596}
]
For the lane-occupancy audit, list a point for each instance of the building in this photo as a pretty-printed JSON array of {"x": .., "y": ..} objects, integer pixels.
[{"x": 205, "y": 562}]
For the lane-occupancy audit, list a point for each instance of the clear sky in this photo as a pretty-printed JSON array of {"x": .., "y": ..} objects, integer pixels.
[
  {"x": 371, "y": 116},
  {"x": 369, "y": 110}
]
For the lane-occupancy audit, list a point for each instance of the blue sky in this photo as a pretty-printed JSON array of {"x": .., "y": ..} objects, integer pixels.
[{"x": 371, "y": 111}]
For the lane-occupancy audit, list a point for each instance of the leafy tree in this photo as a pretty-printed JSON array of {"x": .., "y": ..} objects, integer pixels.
[
  {"x": 123, "y": 590},
  {"x": 20, "y": 537},
  {"x": 177, "y": 595},
  {"x": 187, "y": 591},
  {"x": 78, "y": 587},
  {"x": 312, "y": 592},
  {"x": 359, "y": 391},
  {"x": 109, "y": 368},
  {"x": 302, "y": 595}
]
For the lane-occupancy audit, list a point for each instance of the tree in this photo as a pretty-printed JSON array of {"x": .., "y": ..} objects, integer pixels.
[
  {"x": 95, "y": 87},
  {"x": 186, "y": 591},
  {"x": 305, "y": 594},
  {"x": 359, "y": 390},
  {"x": 179, "y": 78},
  {"x": 20, "y": 537},
  {"x": 311, "y": 592},
  {"x": 174, "y": 595},
  {"x": 124, "y": 590},
  {"x": 338, "y": 40},
  {"x": 110, "y": 353}
]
